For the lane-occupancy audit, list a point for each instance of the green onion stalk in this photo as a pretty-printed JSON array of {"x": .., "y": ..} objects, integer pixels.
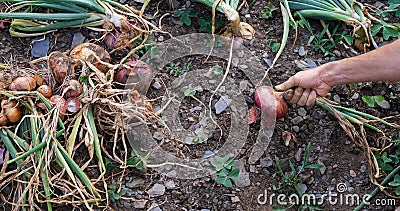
[
  {"x": 349, "y": 11},
  {"x": 38, "y": 17},
  {"x": 229, "y": 8}
]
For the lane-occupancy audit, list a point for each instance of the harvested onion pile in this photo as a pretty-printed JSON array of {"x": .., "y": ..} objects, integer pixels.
[{"x": 57, "y": 127}]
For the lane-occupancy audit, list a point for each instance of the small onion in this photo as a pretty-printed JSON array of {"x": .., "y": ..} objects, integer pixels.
[
  {"x": 90, "y": 52},
  {"x": 45, "y": 91},
  {"x": 42, "y": 106},
  {"x": 74, "y": 89},
  {"x": 39, "y": 80},
  {"x": 73, "y": 104},
  {"x": 11, "y": 110},
  {"x": 60, "y": 65},
  {"x": 281, "y": 105},
  {"x": 55, "y": 99},
  {"x": 2, "y": 85},
  {"x": 25, "y": 83},
  {"x": 3, "y": 120}
]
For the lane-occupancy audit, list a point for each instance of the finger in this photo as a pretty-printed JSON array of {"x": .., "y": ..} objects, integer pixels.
[
  {"x": 287, "y": 84},
  {"x": 296, "y": 96},
  {"x": 304, "y": 97},
  {"x": 288, "y": 94},
  {"x": 311, "y": 98}
]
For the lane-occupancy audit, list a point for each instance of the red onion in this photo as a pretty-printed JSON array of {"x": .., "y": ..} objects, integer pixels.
[{"x": 281, "y": 105}]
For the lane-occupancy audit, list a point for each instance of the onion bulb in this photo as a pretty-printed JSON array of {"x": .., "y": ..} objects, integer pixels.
[
  {"x": 74, "y": 89},
  {"x": 11, "y": 110},
  {"x": 2, "y": 85},
  {"x": 3, "y": 120},
  {"x": 281, "y": 105},
  {"x": 55, "y": 99},
  {"x": 45, "y": 91},
  {"x": 73, "y": 104},
  {"x": 136, "y": 74},
  {"x": 60, "y": 65},
  {"x": 25, "y": 83},
  {"x": 92, "y": 53}
]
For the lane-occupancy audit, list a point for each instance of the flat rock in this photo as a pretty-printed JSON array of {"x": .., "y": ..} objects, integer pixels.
[
  {"x": 40, "y": 46},
  {"x": 135, "y": 183},
  {"x": 222, "y": 104},
  {"x": 302, "y": 51},
  {"x": 77, "y": 39},
  {"x": 156, "y": 190},
  {"x": 297, "y": 120},
  {"x": 155, "y": 207},
  {"x": 140, "y": 204},
  {"x": 170, "y": 184},
  {"x": 302, "y": 112}
]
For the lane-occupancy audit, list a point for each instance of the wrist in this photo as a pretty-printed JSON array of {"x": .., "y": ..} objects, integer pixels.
[{"x": 329, "y": 73}]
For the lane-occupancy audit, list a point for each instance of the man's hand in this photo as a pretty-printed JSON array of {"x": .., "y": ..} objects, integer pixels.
[{"x": 308, "y": 84}]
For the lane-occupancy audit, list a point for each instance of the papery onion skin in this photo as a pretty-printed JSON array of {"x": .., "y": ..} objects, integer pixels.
[
  {"x": 3, "y": 120},
  {"x": 25, "y": 83},
  {"x": 45, "y": 91},
  {"x": 11, "y": 110},
  {"x": 92, "y": 53},
  {"x": 281, "y": 105},
  {"x": 73, "y": 104},
  {"x": 63, "y": 107},
  {"x": 74, "y": 89},
  {"x": 60, "y": 65}
]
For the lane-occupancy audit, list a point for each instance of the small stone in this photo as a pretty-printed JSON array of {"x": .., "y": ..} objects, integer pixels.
[
  {"x": 157, "y": 85},
  {"x": 353, "y": 173},
  {"x": 170, "y": 185},
  {"x": 347, "y": 142},
  {"x": 140, "y": 204},
  {"x": 77, "y": 39},
  {"x": 235, "y": 62},
  {"x": 296, "y": 129},
  {"x": 189, "y": 140},
  {"x": 363, "y": 168},
  {"x": 158, "y": 136},
  {"x": 248, "y": 99},
  {"x": 265, "y": 55},
  {"x": 265, "y": 163},
  {"x": 243, "y": 85},
  {"x": 135, "y": 183},
  {"x": 215, "y": 200},
  {"x": 302, "y": 51},
  {"x": 252, "y": 168},
  {"x": 303, "y": 188},
  {"x": 297, "y": 120},
  {"x": 156, "y": 190},
  {"x": 336, "y": 98},
  {"x": 40, "y": 46},
  {"x": 155, "y": 207},
  {"x": 235, "y": 199},
  {"x": 311, "y": 63},
  {"x": 208, "y": 154},
  {"x": 323, "y": 169},
  {"x": 204, "y": 210},
  {"x": 161, "y": 38},
  {"x": 385, "y": 104},
  {"x": 301, "y": 111},
  {"x": 268, "y": 61},
  {"x": 222, "y": 104},
  {"x": 247, "y": 16},
  {"x": 297, "y": 156},
  {"x": 355, "y": 96}
]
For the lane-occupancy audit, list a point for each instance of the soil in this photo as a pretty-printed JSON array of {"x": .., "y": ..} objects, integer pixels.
[{"x": 345, "y": 163}]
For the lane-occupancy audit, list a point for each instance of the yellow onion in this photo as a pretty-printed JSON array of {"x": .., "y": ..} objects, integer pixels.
[
  {"x": 281, "y": 105},
  {"x": 11, "y": 110},
  {"x": 39, "y": 80},
  {"x": 24, "y": 83},
  {"x": 92, "y": 53},
  {"x": 2, "y": 85},
  {"x": 45, "y": 91}
]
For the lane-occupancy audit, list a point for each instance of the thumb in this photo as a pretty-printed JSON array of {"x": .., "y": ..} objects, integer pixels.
[{"x": 287, "y": 84}]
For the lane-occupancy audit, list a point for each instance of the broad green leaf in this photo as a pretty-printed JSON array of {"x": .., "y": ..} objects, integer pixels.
[
  {"x": 389, "y": 32},
  {"x": 186, "y": 19},
  {"x": 349, "y": 39},
  {"x": 396, "y": 181},
  {"x": 217, "y": 69},
  {"x": 230, "y": 164},
  {"x": 234, "y": 173},
  {"x": 190, "y": 92},
  {"x": 369, "y": 100},
  {"x": 225, "y": 181},
  {"x": 379, "y": 99},
  {"x": 375, "y": 29}
]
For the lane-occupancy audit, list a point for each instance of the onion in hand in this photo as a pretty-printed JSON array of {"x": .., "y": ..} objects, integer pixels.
[{"x": 281, "y": 105}]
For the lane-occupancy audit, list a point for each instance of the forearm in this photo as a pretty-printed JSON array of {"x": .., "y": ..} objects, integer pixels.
[{"x": 382, "y": 64}]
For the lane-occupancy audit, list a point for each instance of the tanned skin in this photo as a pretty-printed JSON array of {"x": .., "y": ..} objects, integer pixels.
[{"x": 382, "y": 64}]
